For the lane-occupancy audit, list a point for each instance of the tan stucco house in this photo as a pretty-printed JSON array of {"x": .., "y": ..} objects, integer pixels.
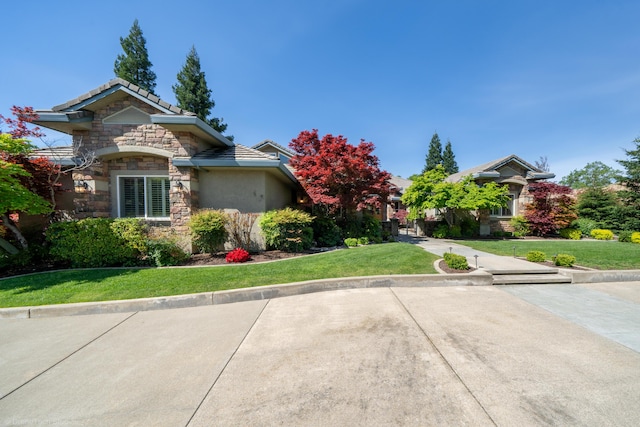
[
  {"x": 159, "y": 162},
  {"x": 512, "y": 171}
]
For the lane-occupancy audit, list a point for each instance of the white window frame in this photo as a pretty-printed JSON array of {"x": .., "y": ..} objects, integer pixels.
[
  {"x": 499, "y": 212},
  {"x": 145, "y": 179}
]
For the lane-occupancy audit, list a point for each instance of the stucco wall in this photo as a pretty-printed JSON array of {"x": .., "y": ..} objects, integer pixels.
[
  {"x": 279, "y": 195},
  {"x": 240, "y": 189}
]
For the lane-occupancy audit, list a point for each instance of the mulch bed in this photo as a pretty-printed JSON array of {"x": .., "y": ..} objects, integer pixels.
[
  {"x": 442, "y": 265},
  {"x": 219, "y": 258}
]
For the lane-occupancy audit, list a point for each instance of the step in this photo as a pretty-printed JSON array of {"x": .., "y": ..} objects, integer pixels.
[
  {"x": 517, "y": 271},
  {"x": 530, "y": 279}
]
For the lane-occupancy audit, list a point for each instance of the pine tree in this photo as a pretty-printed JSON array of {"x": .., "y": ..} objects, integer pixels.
[
  {"x": 630, "y": 196},
  {"x": 449, "y": 159},
  {"x": 134, "y": 65},
  {"x": 193, "y": 94},
  {"x": 434, "y": 156}
]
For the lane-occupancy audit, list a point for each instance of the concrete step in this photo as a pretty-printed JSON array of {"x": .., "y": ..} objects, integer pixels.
[
  {"x": 530, "y": 279},
  {"x": 528, "y": 270}
]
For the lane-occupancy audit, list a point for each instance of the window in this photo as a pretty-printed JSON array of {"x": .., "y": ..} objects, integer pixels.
[
  {"x": 508, "y": 210},
  {"x": 144, "y": 196}
]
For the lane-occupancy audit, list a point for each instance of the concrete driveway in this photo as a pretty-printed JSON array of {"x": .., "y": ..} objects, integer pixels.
[{"x": 385, "y": 356}]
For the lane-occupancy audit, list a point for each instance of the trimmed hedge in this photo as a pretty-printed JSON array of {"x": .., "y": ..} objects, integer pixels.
[
  {"x": 600, "y": 234},
  {"x": 536, "y": 256},
  {"x": 208, "y": 230},
  {"x": 571, "y": 233},
  {"x": 287, "y": 229},
  {"x": 455, "y": 261},
  {"x": 564, "y": 260}
]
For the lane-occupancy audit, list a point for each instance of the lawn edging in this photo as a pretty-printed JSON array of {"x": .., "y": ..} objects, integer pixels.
[{"x": 479, "y": 278}]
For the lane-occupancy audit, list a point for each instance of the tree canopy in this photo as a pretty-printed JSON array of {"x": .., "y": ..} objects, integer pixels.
[
  {"x": 593, "y": 175},
  {"x": 431, "y": 191},
  {"x": 449, "y": 159},
  {"x": 134, "y": 64},
  {"x": 339, "y": 175},
  {"x": 630, "y": 196},
  {"x": 552, "y": 208},
  {"x": 193, "y": 94}
]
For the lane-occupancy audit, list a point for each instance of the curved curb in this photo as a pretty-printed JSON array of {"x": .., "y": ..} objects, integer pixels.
[{"x": 248, "y": 294}]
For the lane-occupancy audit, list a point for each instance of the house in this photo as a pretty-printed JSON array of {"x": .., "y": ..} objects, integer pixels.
[
  {"x": 394, "y": 204},
  {"x": 512, "y": 171},
  {"x": 158, "y": 162}
]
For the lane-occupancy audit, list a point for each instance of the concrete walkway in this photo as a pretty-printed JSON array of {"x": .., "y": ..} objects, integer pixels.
[
  {"x": 385, "y": 356},
  {"x": 485, "y": 260}
]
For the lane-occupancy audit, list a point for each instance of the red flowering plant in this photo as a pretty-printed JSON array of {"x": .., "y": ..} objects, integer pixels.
[{"x": 238, "y": 255}]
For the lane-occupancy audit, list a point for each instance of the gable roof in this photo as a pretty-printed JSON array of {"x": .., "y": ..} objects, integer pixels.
[
  {"x": 269, "y": 143},
  {"x": 77, "y": 114},
  {"x": 489, "y": 170}
]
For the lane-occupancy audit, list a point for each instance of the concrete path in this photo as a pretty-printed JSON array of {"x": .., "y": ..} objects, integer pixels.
[
  {"x": 384, "y": 356},
  {"x": 485, "y": 260}
]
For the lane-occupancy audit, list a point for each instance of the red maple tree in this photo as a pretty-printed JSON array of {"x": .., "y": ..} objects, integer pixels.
[
  {"x": 337, "y": 174},
  {"x": 552, "y": 208}
]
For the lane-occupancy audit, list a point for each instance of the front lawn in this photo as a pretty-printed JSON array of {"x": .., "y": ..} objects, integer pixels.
[
  {"x": 112, "y": 284},
  {"x": 602, "y": 255}
]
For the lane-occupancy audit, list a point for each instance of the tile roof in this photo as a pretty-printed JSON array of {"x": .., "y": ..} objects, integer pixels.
[
  {"x": 274, "y": 144},
  {"x": 237, "y": 152},
  {"x": 151, "y": 98},
  {"x": 489, "y": 166}
]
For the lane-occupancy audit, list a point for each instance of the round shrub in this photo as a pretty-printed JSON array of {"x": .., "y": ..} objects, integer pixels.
[
  {"x": 520, "y": 226},
  {"x": 164, "y": 252},
  {"x": 351, "y": 242},
  {"x": 441, "y": 231},
  {"x": 564, "y": 260},
  {"x": 362, "y": 241},
  {"x": 133, "y": 231},
  {"x": 287, "y": 229},
  {"x": 536, "y": 256},
  {"x": 90, "y": 242},
  {"x": 571, "y": 233},
  {"x": 635, "y": 237},
  {"x": 455, "y": 261},
  {"x": 625, "y": 236},
  {"x": 600, "y": 234},
  {"x": 208, "y": 230}
]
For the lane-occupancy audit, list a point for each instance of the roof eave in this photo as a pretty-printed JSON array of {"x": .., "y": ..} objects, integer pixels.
[
  {"x": 192, "y": 124},
  {"x": 203, "y": 163},
  {"x": 61, "y": 122},
  {"x": 540, "y": 175}
]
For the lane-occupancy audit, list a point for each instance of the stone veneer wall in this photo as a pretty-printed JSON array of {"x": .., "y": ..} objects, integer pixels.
[{"x": 95, "y": 201}]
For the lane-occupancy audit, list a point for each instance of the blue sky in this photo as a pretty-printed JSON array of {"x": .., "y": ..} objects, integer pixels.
[{"x": 559, "y": 79}]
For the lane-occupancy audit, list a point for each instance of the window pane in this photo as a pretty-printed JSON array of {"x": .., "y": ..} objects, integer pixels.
[
  {"x": 132, "y": 197},
  {"x": 158, "y": 197}
]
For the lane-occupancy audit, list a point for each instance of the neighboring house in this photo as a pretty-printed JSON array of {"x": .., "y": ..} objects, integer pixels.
[
  {"x": 396, "y": 190},
  {"x": 159, "y": 162},
  {"x": 276, "y": 150},
  {"x": 512, "y": 171}
]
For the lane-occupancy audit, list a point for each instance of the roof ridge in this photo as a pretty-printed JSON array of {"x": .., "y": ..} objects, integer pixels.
[{"x": 128, "y": 85}]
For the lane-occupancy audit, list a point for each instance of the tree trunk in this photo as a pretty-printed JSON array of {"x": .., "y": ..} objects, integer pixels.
[
  {"x": 8, "y": 247},
  {"x": 15, "y": 230}
]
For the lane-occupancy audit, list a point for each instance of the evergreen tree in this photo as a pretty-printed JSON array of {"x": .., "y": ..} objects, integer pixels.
[
  {"x": 134, "y": 65},
  {"x": 434, "y": 156},
  {"x": 193, "y": 94},
  {"x": 630, "y": 196},
  {"x": 449, "y": 159}
]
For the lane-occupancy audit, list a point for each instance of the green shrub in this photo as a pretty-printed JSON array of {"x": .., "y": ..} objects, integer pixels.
[
  {"x": 455, "y": 261},
  {"x": 362, "y": 241},
  {"x": 469, "y": 227},
  {"x": 365, "y": 225},
  {"x": 90, "y": 242},
  {"x": 326, "y": 232},
  {"x": 599, "y": 234},
  {"x": 571, "y": 233},
  {"x": 441, "y": 231},
  {"x": 287, "y": 229},
  {"x": 564, "y": 260},
  {"x": 133, "y": 231},
  {"x": 585, "y": 225},
  {"x": 635, "y": 237},
  {"x": 351, "y": 242},
  {"x": 208, "y": 230},
  {"x": 520, "y": 226},
  {"x": 455, "y": 231},
  {"x": 163, "y": 252},
  {"x": 625, "y": 236},
  {"x": 536, "y": 256}
]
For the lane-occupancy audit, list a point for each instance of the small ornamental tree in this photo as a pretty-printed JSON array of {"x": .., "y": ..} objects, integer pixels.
[
  {"x": 552, "y": 208},
  {"x": 338, "y": 175},
  {"x": 431, "y": 191}
]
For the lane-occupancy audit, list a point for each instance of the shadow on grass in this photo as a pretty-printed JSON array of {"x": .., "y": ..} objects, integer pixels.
[{"x": 78, "y": 277}]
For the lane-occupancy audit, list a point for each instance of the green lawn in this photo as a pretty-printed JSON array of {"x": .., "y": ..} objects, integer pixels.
[
  {"x": 602, "y": 255},
  {"x": 111, "y": 284}
]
